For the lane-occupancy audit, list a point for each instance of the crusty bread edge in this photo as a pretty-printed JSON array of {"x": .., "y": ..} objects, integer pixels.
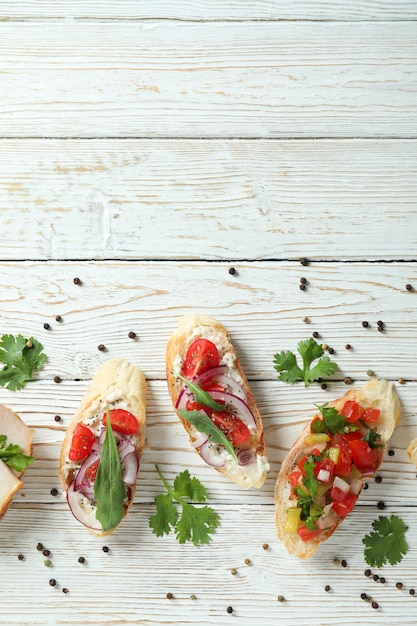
[
  {"x": 178, "y": 345},
  {"x": 108, "y": 375},
  {"x": 376, "y": 393}
]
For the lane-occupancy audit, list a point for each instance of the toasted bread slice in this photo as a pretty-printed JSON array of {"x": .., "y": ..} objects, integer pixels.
[
  {"x": 378, "y": 394},
  {"x": 119, "y": 385},
  {"x": 196, "y": 326}
]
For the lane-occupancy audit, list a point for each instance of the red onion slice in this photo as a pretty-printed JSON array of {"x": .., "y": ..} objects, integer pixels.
[
  {"x": 130, "y": 468},
  {"x": 244, "y": 412},
  {"x": 73, "y": 499},
  {"x": 210, "y": 373},
  {"x": 230, "y": 385},
  {"x": 201, "y": 439},
  {"x": 80, "y": 479},
  {"x": 245, "y": 457},
  {"x": 212, "y": 454}
]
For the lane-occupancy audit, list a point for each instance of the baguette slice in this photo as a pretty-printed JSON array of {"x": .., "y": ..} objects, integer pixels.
[
  {"x": 195, "y": 326},
  {"x": 118, "y": 384},
  {"x": 17, "y": 433},
  {"x": 378, "y": 394},
  {"x": 412, "y": 451}
]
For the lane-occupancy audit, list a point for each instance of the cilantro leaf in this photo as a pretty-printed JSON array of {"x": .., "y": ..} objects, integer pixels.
[
  {"x": 332, "y": 421},
  {"x": 286, "y": 363},
  {"x": 21, "y": 358},
  {"x": 195, "y": 524},
  {"x": 13, "y": 457},
  {"x": 386, "y": 543},
  {"x": 204, "y": 424}
]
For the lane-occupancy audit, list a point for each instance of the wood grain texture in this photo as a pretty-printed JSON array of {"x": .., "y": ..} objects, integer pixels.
[
  {"x": 175, "y": 79},
  {"x": 143, "y": 199},
  {"x": 336, "y": 10}
]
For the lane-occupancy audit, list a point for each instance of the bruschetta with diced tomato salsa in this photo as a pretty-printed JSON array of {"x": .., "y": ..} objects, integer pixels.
[
  {"x": 211, "y": 395},
  {"x": 102, "y": 448},
  {"x": 325, "y": 471}
]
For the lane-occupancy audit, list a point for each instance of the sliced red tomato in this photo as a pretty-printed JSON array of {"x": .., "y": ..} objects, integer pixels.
[
  {"x": 327, "y": 465},
  {"x": 122, "y": 421},
  {"x": 91, "y": 472},
  {"x": 370, "y": 415},
  {"x": 305, "y": 534},
  {"x": 345, "y": 506},
  {"x": 201, "y": 356},
  {"x": 294, "y": 478},
  {"x": 351, "y": 410},
  {"x": 235, "y": 430},
  {"x": 192, "y": 405},
  {"x": 211, "y": 386},
  {"x": 81, "y": 443},
  {"x": 363, "y": 456}
]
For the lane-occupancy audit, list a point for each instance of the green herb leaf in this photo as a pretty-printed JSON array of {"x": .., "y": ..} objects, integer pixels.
[
  {"x": 332, "y": 421},
  {"x": 309, "y": 350},
  {"x": 20, "y": 360},
  {"x": 371, "y": 436},
  {"x": 204, "y": 424},
  {"x": 195, "y": 524},
  {"x": 386, "y": 543},
  {"x": 202, "y": 397},
  {"x": 13, "y": 457},
  {"x": 109, "y": 488}
]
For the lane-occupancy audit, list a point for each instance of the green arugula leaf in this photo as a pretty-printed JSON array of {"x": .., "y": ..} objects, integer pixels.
[
  {"x": 386, "y": 543},
  {"x": 204, "y": 424},
  {"x": 195, "y": 524},
  {"x": 286, "y": 363},
  {"x": 109, "y": 488},
  {"x": 13, "y": 457},
  {"x": 202, "y": 397},
  {"x": 21, "y": 358}
]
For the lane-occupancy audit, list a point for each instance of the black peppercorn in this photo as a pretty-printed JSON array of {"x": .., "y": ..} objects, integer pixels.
[
  {"x": 331, "y": 350},
  {"x": 58, "y": 318},
  {"x": 101, "y": 347},
  {"x": 382, "y": 580},
  {"x": 411, "y": 592},
  {"x": 57, "y": 418},
  {"x": 232, "y": 270},
  {"x": 304, "y": 261},
  {"x": 343, "y": 563},
  {"x": 47, "y": 326},
  {"x": 363, "y": 596},
  {"x": 375, "y": 605},
  {"x": 365, "y": 324},
  {"x": 348, "y": 380},
  {"x": 57, "y": 379},
  {"x": 380, "y": 329},
  {"x": 391, "y": 452},
  {"x": 170, "y": 595},
  {"x": 348, "y": 346},
  {"x": 46, "y": 552},
  {"x": 368, "y": 572},
  {"x": 20, "y": 557},
  {"x": 303, "y": 280},
  {"x": 366, "y": 486},
  {"x": 380, "y": 323},
  {"x": 323, "y": 386},
  {"x": 81, "y": 559},
  {"x": 409, "y": 287},
  {"x": 76, "y": 281},
  {"x": 39, "y": 547},
  {"x": 132, "y": 335},
  {"x": 316, "y": 335},
  {"x": 54, "y": 492},
  {"x": 399, "y": 585},
  {"x": 302, "y": 287},
  {"x": 229, "y": 609},
  {"x": 65, "y": 590},
  {"x": 381, "y": 505},
  {"x": 52, "y": 582},
  {"x": 378, "y": 479},
  {"x": 248, "y": 562},
  {"x": 327, "y": 588},
  {"x": 376, "y": 577},
  {"x": 105, "y": 549},
  {"x": 265, "y": 546}
]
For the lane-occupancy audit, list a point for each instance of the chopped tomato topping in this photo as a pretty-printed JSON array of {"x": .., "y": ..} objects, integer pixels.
[
  {"x": 305, "y": 534},
  {"x": 337, "y": 494},
  {"x": 344, "y": 462},
  {"x": 81, "y": 443},
  {"x": 201, "y": 356},
  {"x": 345, "y": 506},
  {"x": 370, "y": 415},
  {"x": 314, "y": 451},
  {"x": 351, "y": 410},
  {"x": 364, "y": 457},
  {"x": 122, "y": 421},
  {"x": 294, "y": 478},
  {"x": 356, "y": 434},
  {"x": 235, "y": 430},
  {"x": 326, "y": 465}
]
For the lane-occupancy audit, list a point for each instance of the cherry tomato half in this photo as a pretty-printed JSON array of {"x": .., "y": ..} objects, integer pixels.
[
  {"x": 122, "y": 421},
  {"x": 235, "y": 430},
  {"x": 201, "y": 356},
  {"x": 81, "y": 443}
]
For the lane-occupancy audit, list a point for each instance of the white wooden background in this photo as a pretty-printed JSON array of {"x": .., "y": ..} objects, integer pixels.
[{"x": 146, "y": 148}]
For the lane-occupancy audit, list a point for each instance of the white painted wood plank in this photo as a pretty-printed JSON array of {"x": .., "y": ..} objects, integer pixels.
[
  {"x": 261, "y": 305},
  {"x": 216, "y": 10},
  {"x": 143, "y": 199},
  {"x": 175, "y": 79}
]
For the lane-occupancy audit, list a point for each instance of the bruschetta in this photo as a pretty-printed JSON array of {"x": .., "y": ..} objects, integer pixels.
[
  {"x": 100, "y": 457},
  {"x": 201, "y": 357},
  {"x": 328, "y": 465},
  {"x": 16, "y": 445}
]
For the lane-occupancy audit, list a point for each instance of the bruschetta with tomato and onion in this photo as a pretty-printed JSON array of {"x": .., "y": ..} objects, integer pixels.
[
  {"x": 211, "y": 395},
  {"x": 327, "y": 467},
  {"x": 103, "y": 445}
]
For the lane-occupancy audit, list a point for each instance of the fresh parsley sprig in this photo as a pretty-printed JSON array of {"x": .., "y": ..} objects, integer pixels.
[
  {"x": 195, "y": 524},
  {"x": 285, "y": 363},
  {"x": 386, "y": 543},
  {"x": 13, "y": 456},
  {"x": 333, "y": 422},
  {"x": 204, "y": 424},
  {"x": 21, "y": 357},
  {"x": 109, "y": 488}
]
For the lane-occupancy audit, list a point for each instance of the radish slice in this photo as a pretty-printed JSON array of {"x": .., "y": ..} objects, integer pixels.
[
  {"x": 244, "y": 412},
  {"x": 78, "y": 511},
  {"x": 246, "y": 456},
  {"x": 212, "y": 454},
  {"x": 130, "y": 468}
]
